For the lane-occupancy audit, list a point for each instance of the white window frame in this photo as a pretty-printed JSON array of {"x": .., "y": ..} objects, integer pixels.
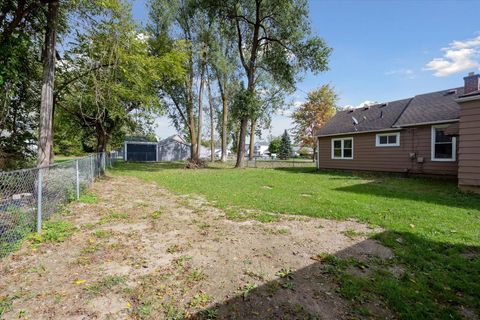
[
  {"x": 432, "y": 145},
  {"x": 342, "y": 148},
  {"x": 377, "y": 139}
]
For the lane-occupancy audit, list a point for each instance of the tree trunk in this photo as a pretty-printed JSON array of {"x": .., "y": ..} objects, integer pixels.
[
  {"x": 102, "y": 140},
  {"x": 241, "y": 143},
  {"x": 224, "y": 123},
  {"x": 191, "y": 122},
  {"x": 45, "y": 141},
  {"x": 252, "y": 139},
  {"x": 200, "y": 109},
  {"x": 212, "y": 137}
]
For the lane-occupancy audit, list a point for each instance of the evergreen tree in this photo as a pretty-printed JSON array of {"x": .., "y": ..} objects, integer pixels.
[{"x": 285, "y": 147}]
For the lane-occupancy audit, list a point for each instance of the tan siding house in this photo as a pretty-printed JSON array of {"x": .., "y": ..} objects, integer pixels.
[
  {"x": 433, "y": 134},
  {"x": 469, "y": 152}
]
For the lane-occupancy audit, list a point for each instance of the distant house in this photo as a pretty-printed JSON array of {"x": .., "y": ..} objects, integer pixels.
[
  {"x": 260, "y": 149},
  {"x": 302, "y": 151},
  {"x": 435, "y": 133},
  {"x": 173, "y": 148}
]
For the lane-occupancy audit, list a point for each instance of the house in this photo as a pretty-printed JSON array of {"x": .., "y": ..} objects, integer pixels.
[
  {"x": 302, "y": 151},
  {"x": 260, "y": 149},
  {"x": 173, "y": 148},
  {"x": 436, "y": 133}
]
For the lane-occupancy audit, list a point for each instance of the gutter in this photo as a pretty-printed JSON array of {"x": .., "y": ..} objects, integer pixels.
[
  {"x": 357, "y": 132},
  {"x": 468, "y": 98},
  {"x": 394, "y": 128},
  {"x": 426, "y": 123}
]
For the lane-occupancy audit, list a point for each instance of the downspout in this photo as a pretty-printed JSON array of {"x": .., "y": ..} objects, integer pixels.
[{"x": 318, "y": 153}]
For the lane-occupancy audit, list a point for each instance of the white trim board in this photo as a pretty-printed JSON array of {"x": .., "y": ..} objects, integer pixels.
[
  {"x": 342, "y": 148},
  {"x": 377, "y": 139},
  {"x": 432, "y": 146}
]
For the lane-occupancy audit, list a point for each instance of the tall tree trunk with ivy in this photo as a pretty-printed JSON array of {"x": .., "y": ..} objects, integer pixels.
[{"x": 45, "y": 141}]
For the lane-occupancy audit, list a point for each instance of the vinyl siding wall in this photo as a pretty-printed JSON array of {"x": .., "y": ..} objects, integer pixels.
[
  {"x": 366, "y": 156},
  {"x": 469, "y": 151}
]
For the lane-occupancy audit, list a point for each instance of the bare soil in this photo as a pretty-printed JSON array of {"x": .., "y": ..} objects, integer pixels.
[{"x": 142, "y": 252}]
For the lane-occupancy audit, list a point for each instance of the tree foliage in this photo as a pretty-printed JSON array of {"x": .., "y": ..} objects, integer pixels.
[
  {"x": 313, "y": 114},
  {"x": 110, "y": 79},
  {"x": 285, "y": 150},
  {"x": 274, "y": 146},
  {"x": 272, "y": 37}
]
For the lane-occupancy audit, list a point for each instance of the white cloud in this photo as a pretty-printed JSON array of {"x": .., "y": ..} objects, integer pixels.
[
  {"x": 407, "y": 73},
  {"x": 361, "y": 105},
  {"x": 459, "y": 56}
]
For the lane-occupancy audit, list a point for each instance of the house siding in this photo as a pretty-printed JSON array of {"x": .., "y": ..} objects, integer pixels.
[
  {"x": 469, "y": 146},
  {"x": 368, "y": 157}
]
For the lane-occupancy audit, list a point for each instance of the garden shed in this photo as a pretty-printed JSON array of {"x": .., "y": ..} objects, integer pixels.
[
  {"x": 140, "y": 151},
  {"x": 173, "y": 148}
]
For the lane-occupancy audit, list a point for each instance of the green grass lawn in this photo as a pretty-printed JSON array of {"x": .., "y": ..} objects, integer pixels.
[
  {"x": 61, "y": 158},
  {"x": 433, "y": 229}
]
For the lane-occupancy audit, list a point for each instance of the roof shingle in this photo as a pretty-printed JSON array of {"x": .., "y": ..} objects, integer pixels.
[
  {"x": 425, "y": 108},
  {"x": 376, "y": 117}
]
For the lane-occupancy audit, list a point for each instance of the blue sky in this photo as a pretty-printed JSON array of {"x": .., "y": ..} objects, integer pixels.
[{"x": 385, "y": 50}]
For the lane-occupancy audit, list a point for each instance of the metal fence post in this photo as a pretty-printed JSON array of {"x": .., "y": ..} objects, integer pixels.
[
  {"x": 91, "y": 169},
  {"x": 102, "y": 160},
  {"x": 78, "y": 179},
  {"x": 39, "y": 201},
  {"x": 98, "y": 163}
]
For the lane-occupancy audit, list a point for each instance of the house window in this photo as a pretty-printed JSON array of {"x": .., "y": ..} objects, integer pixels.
[
  {"x": 391, "y": 139},
  {"x": 443, "y": 146},
  {"x": 342, "y": 148}
]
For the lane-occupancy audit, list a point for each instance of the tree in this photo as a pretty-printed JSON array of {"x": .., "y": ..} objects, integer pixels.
[
  {"x": 224, "y": 64},
  {"x": 22, "y": 30},
  {"x": 245, "y": 105},
  {"x": 113, "y": 80},
  {"x": 285, "y": 147},
  {"x": 274, "y": 146},
  {"x": 45, "y": 140},
  {"x": 313, "y": 114},
  {"x": 182, "y": 22},
  {"x": 273, "y": 37},
  {"x": 271, "y": 99},
  {"x": 212, "y": 124}
]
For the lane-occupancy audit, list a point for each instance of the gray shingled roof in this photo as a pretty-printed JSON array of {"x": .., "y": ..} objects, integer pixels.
[
  {"x": 429, "y": 107},
  {"x": 373, "y": 118}
]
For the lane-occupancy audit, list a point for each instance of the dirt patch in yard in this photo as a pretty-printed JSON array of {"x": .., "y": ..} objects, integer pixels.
[{"x": 142, "y": 252}]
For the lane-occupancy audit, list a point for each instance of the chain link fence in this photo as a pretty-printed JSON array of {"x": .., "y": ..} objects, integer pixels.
[
  {"x": 267, "y": 163},
  {"x": 29, "y": 196}
]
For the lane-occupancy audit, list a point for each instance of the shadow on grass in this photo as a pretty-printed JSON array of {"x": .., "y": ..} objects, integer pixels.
[
  {"x": 438, "y": 191},
  {"x": 424, "y": 192},
  {"x": 423, "y": 280}
]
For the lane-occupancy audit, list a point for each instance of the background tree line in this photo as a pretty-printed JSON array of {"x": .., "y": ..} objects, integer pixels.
[{"x": 79, "y": 75}]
